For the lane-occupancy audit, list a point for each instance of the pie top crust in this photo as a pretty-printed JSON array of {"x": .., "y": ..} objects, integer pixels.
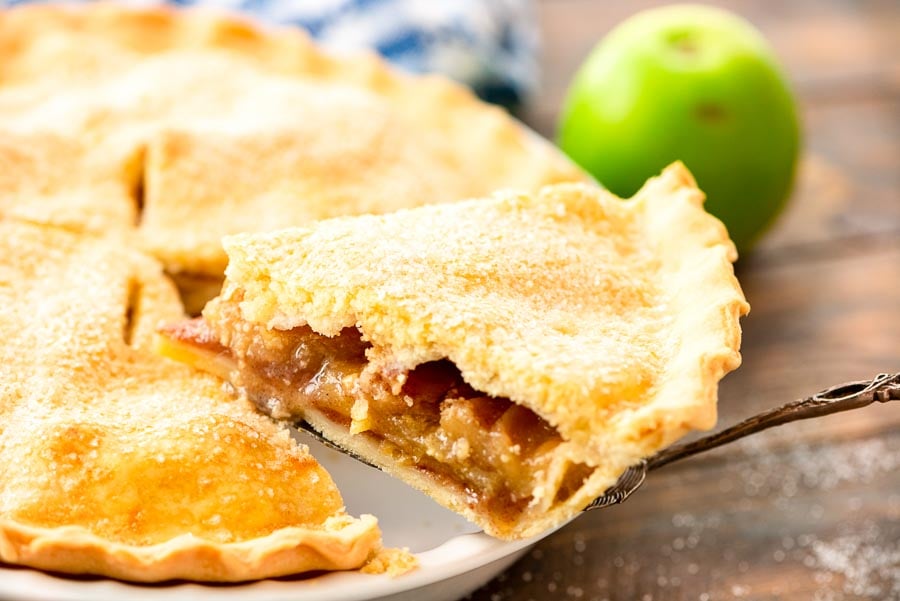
[
  {"x": 188, "y": 125},
  {"x": 613, "y": 320},
  {"x": 114, "y": 461}
]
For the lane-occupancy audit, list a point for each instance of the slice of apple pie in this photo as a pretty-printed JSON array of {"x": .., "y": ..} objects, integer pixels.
[
  {"x": 509, "y": 356},
  {"x": 117, "y": 462}
]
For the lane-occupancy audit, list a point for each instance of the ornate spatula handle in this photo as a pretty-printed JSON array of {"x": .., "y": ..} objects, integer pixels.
[{"x": 843, "y": 397}]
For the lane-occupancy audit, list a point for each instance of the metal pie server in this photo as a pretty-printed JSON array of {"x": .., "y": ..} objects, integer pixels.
[{"x": 843, "y": 397}]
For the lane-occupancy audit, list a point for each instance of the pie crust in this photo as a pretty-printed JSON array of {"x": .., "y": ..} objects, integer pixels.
[
  {"x": 604, "y": 324},
  {"x": 117, "y": 462},
  {"x": 186, "y": 125}
]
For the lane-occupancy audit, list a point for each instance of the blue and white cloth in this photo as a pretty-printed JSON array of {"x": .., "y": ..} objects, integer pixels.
[{"x": 490, "y": 45}]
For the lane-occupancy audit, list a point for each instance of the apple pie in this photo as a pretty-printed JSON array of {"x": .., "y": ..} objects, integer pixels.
[
  {"x": 117, "y": 462},
  {"x": 181, "y": 126},
  {"x": 509, "y": 356}
]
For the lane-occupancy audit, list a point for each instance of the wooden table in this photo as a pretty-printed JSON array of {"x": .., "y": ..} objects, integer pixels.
[{"x": 810, "y": 510}]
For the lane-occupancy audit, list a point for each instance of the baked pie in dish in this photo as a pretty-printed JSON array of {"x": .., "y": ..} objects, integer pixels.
[
  {"x": 126, "y": 131},
  {"x": 178, "y": 127},
  {"x": 509, "y": 356},
  {"x": 117, "y": 462}
]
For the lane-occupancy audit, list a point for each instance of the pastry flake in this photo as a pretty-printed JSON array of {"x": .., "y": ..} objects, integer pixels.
[
  {"x": 509, "y": 356},
  {"x": 116, "y": 462}
]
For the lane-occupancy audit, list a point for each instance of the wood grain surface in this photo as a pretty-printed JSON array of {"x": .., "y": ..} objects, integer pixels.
[{"x": 810, "y": 511}]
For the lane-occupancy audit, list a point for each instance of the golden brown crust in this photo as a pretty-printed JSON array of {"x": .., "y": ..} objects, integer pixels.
[
  {"x": 341, "y": 543},
  {"x": 613, "y": 320},
  {"x": 62, "y": 181},
  {"x": 116, "y": 462},
  {"x": 240, "y": 128}
]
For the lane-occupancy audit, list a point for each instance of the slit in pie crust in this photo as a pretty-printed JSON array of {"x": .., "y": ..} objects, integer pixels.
[
  {"x": 117, "y": 462},
  {"x": 510, "y": 356}
]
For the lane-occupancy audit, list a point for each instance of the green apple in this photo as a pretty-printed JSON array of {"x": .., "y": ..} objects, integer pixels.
[{"x": 693, "y": 83}]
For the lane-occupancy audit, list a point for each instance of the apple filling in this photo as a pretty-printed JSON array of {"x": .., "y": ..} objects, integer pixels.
[{"x": 503, "y": 458}]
